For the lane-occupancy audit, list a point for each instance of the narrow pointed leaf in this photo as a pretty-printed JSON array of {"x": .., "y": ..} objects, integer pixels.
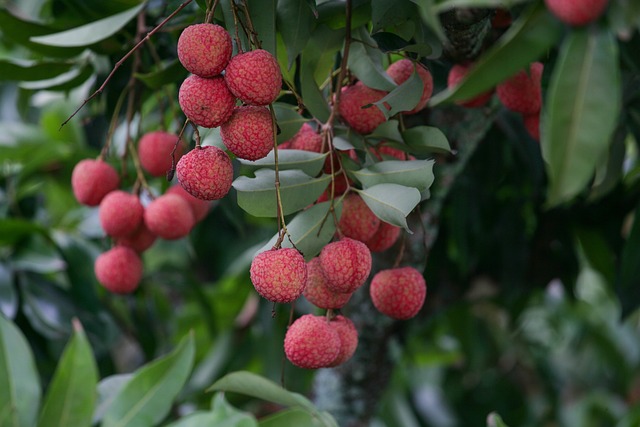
[
  {"x": 426, "y": 140},
  {"x": 307, "y": 161},
  {"x": 412, "y": 173},
  {"x": 391, "y": 202},
  {"x": 27, "y": 71},
  {"x": 296, "y": 22}
]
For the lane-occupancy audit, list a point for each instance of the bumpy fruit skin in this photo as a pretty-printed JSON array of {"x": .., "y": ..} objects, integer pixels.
[
  {"x": 204, "y": 49},
  {"x": 522, "y": 92},
  {"x": 357, "y": 220},
  {"x": 311, "y": 343},
  {"x": 154, "y": 151},
  {"x": 206, "y": 173},
  {"x": 120, "y": 213},
  {"x": 169, "y": 216},
  {"x": 254, "y": 77},
  {"x": 279, "y": 275},
  {"x": 140, "y": 240},
  {"x": 316, "y": 290},
  {"x": 456, "y": 74},
  {"x": 119, "y": 270},
  {"x": 532, "y": 125},
  {"x": 352, "y": 99},
  {"x": 399, "y": 292},
  {"x": 348, "y": 335},
  {"x": 346, "y": 264},
  {"x": 577, "y": 12},
  {"x": 384, "y": 238},
  {"x": 306, "y": 139},
  {"x": 401, "y": 70},
  {"x": 206, "y": 102},
  {"x": 200, "y": 208},
  {"x": 91, "y": 180},
  {"x": 387, "y": 152},
  {"x": 249, "y": 132}
]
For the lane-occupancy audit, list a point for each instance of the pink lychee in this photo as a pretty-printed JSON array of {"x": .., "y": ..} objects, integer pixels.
[
  {"x": 398, "y": 292},
  {"x": 119, "y": 269},
  {"x": 254, "y": 77},
  {"x": 200, "y": 208},
  {"x": 249, "y": 132},
  {"x": 522, "y": 92},
  {"x": 140, "y": 240},
  {"x": 357, "y": 220},
  {"x": 206, "y": 173},
  {"x": 306, "y": 139},
  {"x": 316, "y": 290},
  {"x": 459, "y": 72},
  {"x": 346, "y": 264},
  {"x": 169, "y": 216},
  {"x": 279, "y": 275},
  {"x": 206, "y": 102},
  {"x": 348, "y": 335},
  {"x": 577, "y": 12},
  {"x": 384, "y": 237},
  {"x": 154, "y": 151},
  {"x": 401, "y": 70},
  {"x": 204, "y": 49},
  {"x": 120, "y": 213},
  {"x": 352, "y": 109},
  {"x": 311, "y": 343},
  {"x": 91, "y": 180}
]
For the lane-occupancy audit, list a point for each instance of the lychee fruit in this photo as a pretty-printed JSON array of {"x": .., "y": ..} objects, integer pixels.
[
  {"x": 348, "y": 335},
  {"x": 154, "y": 151},
  {"x": 140, "y": 240},
  {"x": 341, "y": 183},
  {"x": 204, "y": 49},
  {"x": 200, "y": 208},
  {"x": 311, "y": 343},
  {"x": 532, "y": 125},
  {"x": 387, "y": 152},
  {"x": 577, "y": 12},
  {"x": 206, "y": 173},
  {"x": 352, "y": 109},
  {"x": 120, "y": 213},
  {"x": 91, "y": 180},
  {"x": 501, "y": 19},
  {"x": 316, "y": 290},
  {"x": 346, "y": 264},
  {"x": 357, "y": 220},
  {"x": 522, "y": 93},
  {"x": 249, "y": 132},
  {"x": 401, "y": 70},
  {"x": 119, "y": 269},
  {"x": 306, "y": 139},
  {"x": 384, "y": 237},
  {"x": 254, "y": 77},
  {"x": 206, "y": 102},
  {"x": 169, "y": 216},
  {"x": 279, "y": 275},
  {"x": 456, "y": 74},
  {"x": 398, "y": 292}
]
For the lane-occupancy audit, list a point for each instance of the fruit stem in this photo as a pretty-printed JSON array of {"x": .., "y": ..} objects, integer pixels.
[
  {"x": 236, "y": 20},
  {"x": 282, "y": 226},
  {"x": 400, "y": 255},
  {"x": 252, "y": 33},
  {"x": 211, "y": 10},
  {"x": 171, "y": 172}
]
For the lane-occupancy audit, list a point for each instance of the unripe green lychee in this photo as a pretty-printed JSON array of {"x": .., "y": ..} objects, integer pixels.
[
  {"x": 206, "y": 102},
  {"x": 206, "y": 173},
  {"x": 398, "y": 292},
  {"x": 140, "y": 240},
  {"x": 91, "y": 180},
  {"x": 317, "y": 292},
  {"x": 522, "y": 93},
  {"x": 279, "y": 275},
  {"x": 306, "y": 139},
  {"x": 401, "y": 70},
  {"x": 120, "y": 213},
  {"x": 456, "y": 74},
  {"x": 169, "y": 216},
  {"x": 254, "y": 77},
  {"x": 348, "y": 335},
  {"x": 204, "y": 49},
  {"x": 249, "y": 132},
  {"x": 384, "y": 237},
  {"x": 200, "y": 208},
  {"x": 352, "y": 101},
  {"x": 346, "y": 264},
  {"x": 119, "y": 269},
  {"x": 154, "y": 151},
  {"x": 357, "y": 220},
  {"x": 577, "y": 12},
  {"x": 311, "y": 343}
]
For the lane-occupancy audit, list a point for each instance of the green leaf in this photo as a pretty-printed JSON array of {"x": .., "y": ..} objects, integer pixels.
[
  {"x": 298, "y": 190},
  {"x": 71, "y": 396},
  {"x": 530, "y": 37},
  {"x": 263, "y": 17},
  {"x": 445, "y": 5},
  {"x": 89, "y": 34},
  {"x": 426, "y": 140},
  {"x": 582, "y": 108},
  {"x": 390, "y": 43},
  {"x": 19, "y": 379},
  {"x": 391, "y": 202},
  {"x": 494, "y": 420},
  {"x": 8, "y": 294},
  {"x": 629, "y": 270},
  {"x": 108, "y": 389},
  {"x": 411, "y": 173},
  {"x": 296, "y": 22},
  {"x": 289, "y": 418},
  {"x": 146, "y": 399},
  {"x": 310, "y": 230},
  {"x": 387, "y": 131},
  {"x": 365, "y": 62},
  {"x": 13, "y": 230},
  {"x": 169, "y": 73},
  {"x": 63, "y": 82},
  {"x": 289, "y": 120},
  {"x": 20, "y": 70},
  {"x": 403, "y": 98},
  {"x": 222, "y": 415},
  {"x": 308, "y": 162}
]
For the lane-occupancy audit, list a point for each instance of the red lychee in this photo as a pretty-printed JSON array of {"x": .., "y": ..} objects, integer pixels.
[
  {"x": 91, "y": 180},
  {"x": 169, "y": 216},
  {"x": 306, "y": 139},
  {"x": 401, "y": 70},
  {"x": 206, "y": 173},
  {"x": 346, "y": 264},
  {"x": 311, "y": 343},
  {"x": 204, "y": 49},
  {"x": 348, "y": 335},
  {"x": 249, "y": 132},
  {"x": 501, "y": 19},
  {"x": 357, "y": 220},
  {"x": 279, "y": 275},
  {"x": 522, "y": 92},
  {"x": 341, "y": 183},
  {"x": 384, "y": 238},
  {"x": 398, "y": 292},
  {"x": 317, "y": 292},
  {"x": 532, "y": 125},
  {"x": 577, "y": 12},
  {"x": 154, "y": 150},
  {"x": 456, "y": 74},
  {"x": 254, "y": 77},
  {"x": 206, "y": 102},
  {"x": 120, "y": 213},
  {"x": 140, "y": 240},
  {"x": 119, "y": 270},
  {"x": 200, "y": 208},
  {"x": 387, "y": 152},
  {"x": 352, "y": 101}
]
